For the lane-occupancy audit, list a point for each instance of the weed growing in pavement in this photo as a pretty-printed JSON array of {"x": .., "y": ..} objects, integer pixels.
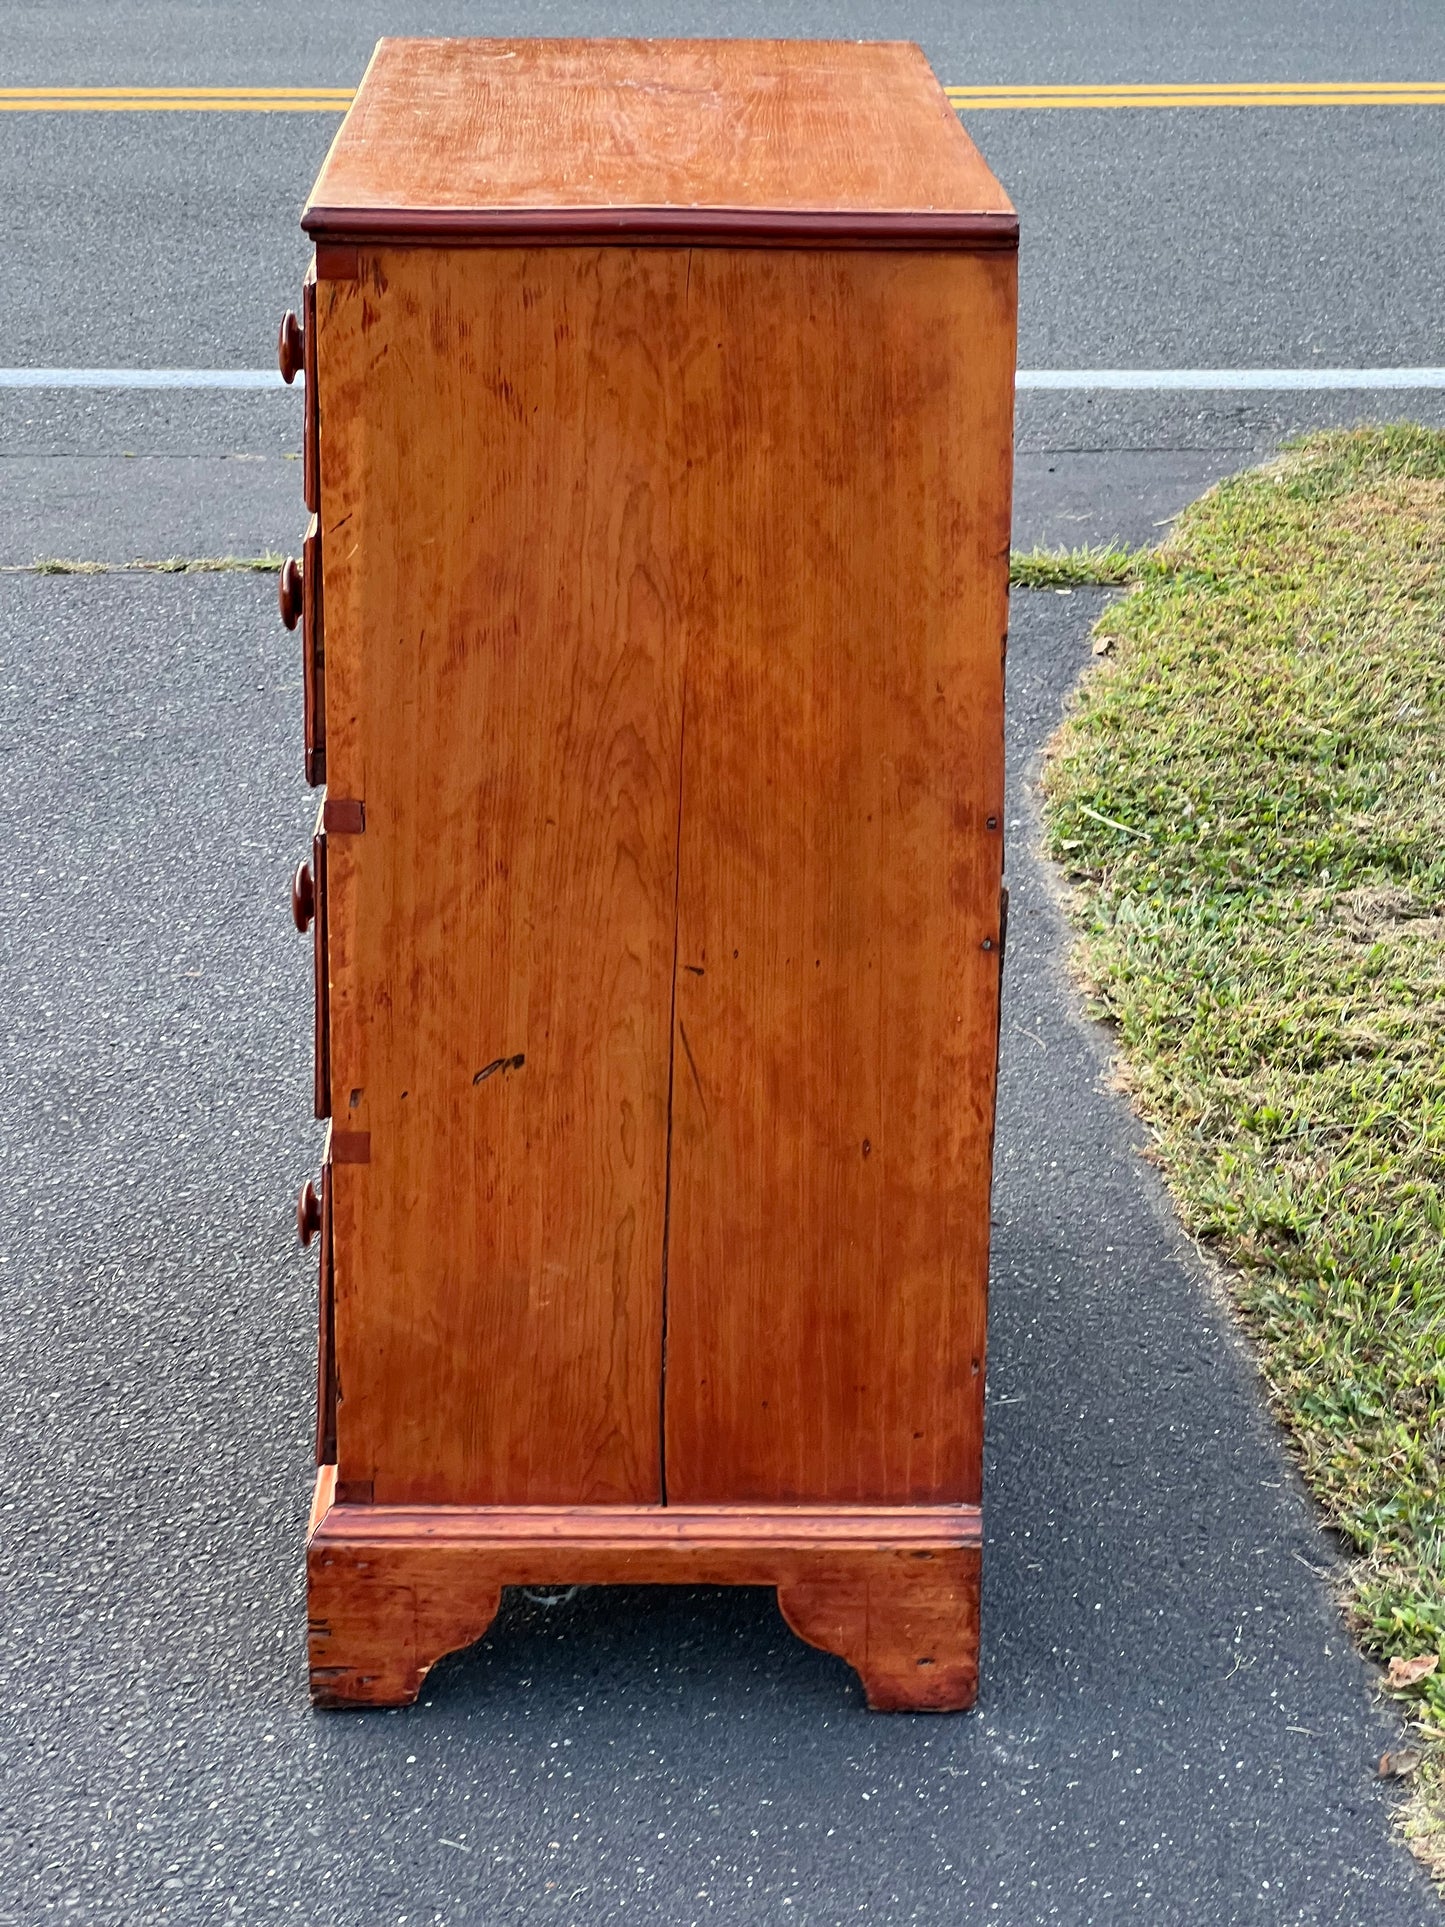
[
  {"x": 169, "y": 565},
  {"x": 1107, "y": 566},
  {"x": 1250, "y": 796}
]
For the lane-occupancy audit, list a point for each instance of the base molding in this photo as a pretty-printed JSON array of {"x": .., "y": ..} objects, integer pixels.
[{"x": 891, "y": 1590}]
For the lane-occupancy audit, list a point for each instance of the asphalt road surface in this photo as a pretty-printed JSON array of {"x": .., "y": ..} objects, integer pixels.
[{"x": 1173, "y": 1727}]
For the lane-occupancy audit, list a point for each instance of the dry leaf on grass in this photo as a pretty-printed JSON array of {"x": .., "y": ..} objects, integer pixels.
[{"x": 1409, "y": 1672}]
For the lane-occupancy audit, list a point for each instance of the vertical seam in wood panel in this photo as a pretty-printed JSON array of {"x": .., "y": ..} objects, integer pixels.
[
  {"x": 672, "y": 1036},
  {"x": 671, "y": 1063}
]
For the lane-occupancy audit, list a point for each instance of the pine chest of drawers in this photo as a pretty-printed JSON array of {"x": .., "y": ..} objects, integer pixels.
[{"x": 658, "y": 451}]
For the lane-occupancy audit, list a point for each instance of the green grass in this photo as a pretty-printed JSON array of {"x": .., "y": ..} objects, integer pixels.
[
  {"x": 1250, "y": 796},
  {"x": 1105, "y": 567}
]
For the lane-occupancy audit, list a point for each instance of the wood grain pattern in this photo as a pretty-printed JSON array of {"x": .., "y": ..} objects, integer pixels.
[
  {"x": 843, "y": 532},
  {"x": 849, "y": 430},
  {"x": 658, "y": 905},
  {"x": 582, "y": 1531},
  {"x": 907, "y": 1624},
  {"x": 677, "y": 140},
  {"x": 502, "y": 459},
  {"x": 892, "y": 1592}
]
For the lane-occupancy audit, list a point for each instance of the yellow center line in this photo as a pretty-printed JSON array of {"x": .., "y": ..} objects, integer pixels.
[
  {"x": 1094, "y": 94},
  {"x": 1189, "y": 86},
  {"x": 100, "y": 93},
  {"x": 208, "y": 100},
  {"x": 1257, "y": 93},
  {"x": 178, "y": 107}
]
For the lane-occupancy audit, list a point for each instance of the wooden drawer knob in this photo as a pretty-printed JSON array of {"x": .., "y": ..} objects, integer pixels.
[
  {"x": 303, "y": 897},
  {"x": 288, "y": 592},
  {"x": 308, "y": 1213},
  {"x": 290, "y": 348}
]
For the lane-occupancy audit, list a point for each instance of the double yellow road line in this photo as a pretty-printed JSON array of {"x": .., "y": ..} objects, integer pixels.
[
  {"x": 1304, "y": 93},
  {"x": 175, "y": 100},
  {"x": 968, "y": 100}
]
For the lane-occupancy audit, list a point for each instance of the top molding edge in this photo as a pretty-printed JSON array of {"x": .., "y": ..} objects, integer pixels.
[{"x": 697, "y": 226}]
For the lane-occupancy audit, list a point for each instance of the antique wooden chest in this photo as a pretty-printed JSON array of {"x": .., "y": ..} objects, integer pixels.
[{"x": 658, "y": 453}]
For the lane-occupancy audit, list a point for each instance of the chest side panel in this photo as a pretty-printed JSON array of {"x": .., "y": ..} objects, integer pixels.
[
  {"x": 849, "y": 431},
  {"x": 501, "y": 451}
]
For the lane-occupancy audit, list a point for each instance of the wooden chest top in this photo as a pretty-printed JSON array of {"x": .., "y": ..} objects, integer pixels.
[{"x": 733, "y": 142}]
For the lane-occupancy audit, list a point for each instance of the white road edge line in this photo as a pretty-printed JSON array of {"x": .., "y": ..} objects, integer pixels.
[
  {"x": 139, "y": 378},
  {"x": 1137, "y": 380},
  {"x": 1159, "y": 379}
]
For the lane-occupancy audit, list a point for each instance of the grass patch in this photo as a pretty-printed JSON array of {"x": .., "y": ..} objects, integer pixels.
[
  {"x": 1106, "y": 567},
  {"x": 1250, "y": 796},
  {"x": 170, "y": 565}
]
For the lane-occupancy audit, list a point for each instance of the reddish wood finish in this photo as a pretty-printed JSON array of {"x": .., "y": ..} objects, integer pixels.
[
  {"x": 308, "y": 1213},
  {"x": 303, "y": 897},
  {"x": 707, "y": 141},
  {"x": 504, "y": 667},
  {"x": 296, "y": 355},
  {"x": 325, "y": 1334},
  {"x": 289, "y": 592},
  {"x": 313, "y": 654},
  {"x": 343, "y": 815},
  {"x": 337, "y": 261},
  {"x": 838, "y": 886},
  {"x": 892, "y": 1592},
  {"x": 311, "y": 429},
  {"x": 290, "y": 350},
  {"x": 308, "y": 912},
  {"x": 320, "y": 958},
  {"x": 657, "y": 887}
]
